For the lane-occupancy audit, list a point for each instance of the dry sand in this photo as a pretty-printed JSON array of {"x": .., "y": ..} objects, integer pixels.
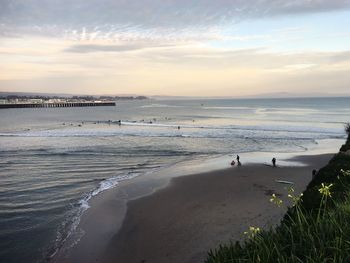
[
  {"x": 181, "y": 221},
  {"x": 196, "y": 213}
]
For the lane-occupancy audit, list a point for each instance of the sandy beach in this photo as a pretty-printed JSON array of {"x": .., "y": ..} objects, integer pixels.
[{"x": 191, "y": 215}]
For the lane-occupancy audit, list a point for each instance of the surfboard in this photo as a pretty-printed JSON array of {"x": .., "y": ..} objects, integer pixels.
[{"x": 283, "y": 182}]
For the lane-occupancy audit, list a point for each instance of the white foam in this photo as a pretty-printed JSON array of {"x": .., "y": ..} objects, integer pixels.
[
  {"x": 226, "y": 108},
  {"x": 127, "y": 123},
  {"x": 171, "y": 130},
  {"x": 84, "y": 204},
  {"x": 112, "y": 182},
  {"x": 73, "y": 234},
  {"x": 160, "y": 106}
]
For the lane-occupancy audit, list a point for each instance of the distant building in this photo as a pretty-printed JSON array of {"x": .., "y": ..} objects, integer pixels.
[
  {"x": 35, "y": 101},
  {"x": 55, "y": 100},
  {"x": 12, "y": 101},
  {"x": 3, "y": 101}
]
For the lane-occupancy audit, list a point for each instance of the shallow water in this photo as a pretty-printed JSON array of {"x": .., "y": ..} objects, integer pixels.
[{"x": 54, "y": 160}]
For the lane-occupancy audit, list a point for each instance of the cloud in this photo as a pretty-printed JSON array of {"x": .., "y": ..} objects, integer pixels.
[
  {"x": 178, "y": 70},
  {"x": 88, "y": 48},
  {"x": 153, "y": 16},
  {"x": 250, "y": 58}
]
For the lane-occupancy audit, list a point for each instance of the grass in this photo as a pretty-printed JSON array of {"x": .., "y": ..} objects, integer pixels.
[
  {"x": 315, "y": 229},
  {"x": 347, "y": 128},
  {"x": 304, "y": 239}
]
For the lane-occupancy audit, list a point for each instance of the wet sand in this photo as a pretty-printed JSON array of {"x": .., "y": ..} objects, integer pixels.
[{"x": 193, "y": 214}]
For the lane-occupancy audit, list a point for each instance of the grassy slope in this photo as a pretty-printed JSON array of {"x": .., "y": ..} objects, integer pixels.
[
  {"x": 329, "y": 174},
  {"x": 311, "y": 231}
]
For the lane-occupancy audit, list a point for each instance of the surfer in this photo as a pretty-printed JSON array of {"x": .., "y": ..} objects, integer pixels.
[
  {"x": 237, "y": 158},
  {"x": 274, "y": 162}
]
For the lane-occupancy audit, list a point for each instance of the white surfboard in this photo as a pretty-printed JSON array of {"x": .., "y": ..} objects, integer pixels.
[{"x": 283, "y": 182}]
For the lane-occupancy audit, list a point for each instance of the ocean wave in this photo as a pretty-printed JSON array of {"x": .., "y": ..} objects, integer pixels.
[
  {"x": 160, "y": 106},
  {"x": 188, "y": 136},
  {"x": 92, "y": 152},
  {"x": 186, "y": 131},
  {"x": 70, "y": 225},
  {"x": 227, "y": 108}
]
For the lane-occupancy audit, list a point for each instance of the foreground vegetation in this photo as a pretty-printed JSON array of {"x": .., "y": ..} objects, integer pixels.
[{"x": 315, "y": 229}]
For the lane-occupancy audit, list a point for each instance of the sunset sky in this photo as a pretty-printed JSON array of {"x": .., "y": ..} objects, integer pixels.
[{"x": 175, "y": 47}]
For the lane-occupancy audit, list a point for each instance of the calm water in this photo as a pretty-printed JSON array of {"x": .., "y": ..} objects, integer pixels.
[{"x": 54, "y": 160}]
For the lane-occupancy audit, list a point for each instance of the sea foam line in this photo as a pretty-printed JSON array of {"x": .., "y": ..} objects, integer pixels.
[{"x": 62, "y": 238}]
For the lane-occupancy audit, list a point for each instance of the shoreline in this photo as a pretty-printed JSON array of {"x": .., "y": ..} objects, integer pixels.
[{"x": 183, "y": 206}]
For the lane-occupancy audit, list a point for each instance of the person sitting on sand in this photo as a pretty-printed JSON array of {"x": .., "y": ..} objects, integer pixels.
[
  {"x": 233, "y": 162},
  {"x": 274, "y": 162}
]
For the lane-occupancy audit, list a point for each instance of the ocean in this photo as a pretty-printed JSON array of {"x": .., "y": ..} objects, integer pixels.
[{"x": 54, "y": 160}]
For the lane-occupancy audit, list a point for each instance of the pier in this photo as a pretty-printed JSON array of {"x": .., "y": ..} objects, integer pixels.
[{"x": 57, "y": 104}]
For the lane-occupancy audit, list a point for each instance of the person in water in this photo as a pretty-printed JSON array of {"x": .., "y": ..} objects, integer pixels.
[
  {"x": 274, "y": 162},
  {"x": 233, "y": 162}
]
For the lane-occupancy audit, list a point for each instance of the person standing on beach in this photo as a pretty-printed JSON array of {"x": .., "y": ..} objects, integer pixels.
[
  {"x": 274, "y": 162},
  {"x": 237, "y": 158}
]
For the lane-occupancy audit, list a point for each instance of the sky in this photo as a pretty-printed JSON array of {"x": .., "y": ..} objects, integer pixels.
[{"x": 175, "y": 47}]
